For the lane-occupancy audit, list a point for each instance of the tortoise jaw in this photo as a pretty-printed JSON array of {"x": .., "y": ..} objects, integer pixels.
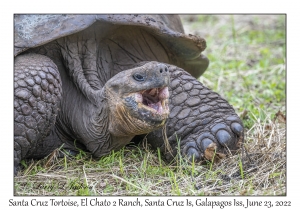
[
  {"x": 140, "y": 112},
  {"x": 154, "y": 100}
]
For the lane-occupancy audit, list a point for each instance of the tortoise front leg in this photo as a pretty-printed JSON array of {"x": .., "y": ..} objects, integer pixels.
[
  {"x": 36, "y": 96},
  {"x": 200, "y": 119}
]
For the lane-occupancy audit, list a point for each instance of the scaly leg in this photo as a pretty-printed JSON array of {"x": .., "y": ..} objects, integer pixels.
[
  {"x": 201, "y": 119},
  {"x": 37, "y": 93}
]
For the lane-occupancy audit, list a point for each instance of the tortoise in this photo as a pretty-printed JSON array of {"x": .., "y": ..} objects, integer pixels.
[{"x": 97, "y": 82}]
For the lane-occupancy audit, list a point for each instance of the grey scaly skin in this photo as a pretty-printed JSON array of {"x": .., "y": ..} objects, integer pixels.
[
  {"x": 200, "y": 119},
  {"x": 98, "y": 89},
  {"x": 36, "y": 105}
]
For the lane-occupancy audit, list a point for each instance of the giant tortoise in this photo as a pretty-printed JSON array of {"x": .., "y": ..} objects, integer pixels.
[{"x": 95, "y": 82}]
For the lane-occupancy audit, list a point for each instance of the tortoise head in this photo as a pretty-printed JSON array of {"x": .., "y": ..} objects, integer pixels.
[{"x": 138, "y": 99}]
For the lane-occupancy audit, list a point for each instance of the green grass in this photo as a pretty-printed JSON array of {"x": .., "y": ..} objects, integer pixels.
[{"x": 247, "y": 67}]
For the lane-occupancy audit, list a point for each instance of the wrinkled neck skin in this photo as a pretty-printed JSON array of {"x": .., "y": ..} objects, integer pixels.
[
  {"x": 104, "y": 125},
  {"x": 122, "y": 126},
  {"x": 82, "y": 121},
  {"x": 90, "y": 125}
]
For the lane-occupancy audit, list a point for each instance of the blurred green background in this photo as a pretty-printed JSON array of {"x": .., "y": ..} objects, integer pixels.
[{"x": 247, "y": 56}]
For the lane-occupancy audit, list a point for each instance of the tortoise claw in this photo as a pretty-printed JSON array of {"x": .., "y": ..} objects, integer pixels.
[
  {"x": 215, "y": 141},
  {"x": 205, "y": 143},
  {"x": 193, "y": 153},
  {"x": 224, "y": 138},
  {"x": 237, "y": 128},
  {"x": 208, "y": 147}
]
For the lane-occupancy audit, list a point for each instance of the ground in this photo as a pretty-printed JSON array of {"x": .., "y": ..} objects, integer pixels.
[{"x": 247, "y": 67}]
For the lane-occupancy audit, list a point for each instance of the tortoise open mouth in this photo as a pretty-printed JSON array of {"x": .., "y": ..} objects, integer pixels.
[{"x": 154, "y": 100}]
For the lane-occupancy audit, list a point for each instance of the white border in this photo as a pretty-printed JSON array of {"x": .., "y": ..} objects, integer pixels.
[{"x": 152, "y": 6}]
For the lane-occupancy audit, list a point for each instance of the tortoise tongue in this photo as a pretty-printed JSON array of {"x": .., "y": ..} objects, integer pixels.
[
  {"x": 157, "y": 106},
  {"x": 154, "y": 98}
]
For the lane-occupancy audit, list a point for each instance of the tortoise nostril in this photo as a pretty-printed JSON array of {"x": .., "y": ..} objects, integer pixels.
[
  {"x": 161, "y": 71},
  {"x": 166, "y": 69}
]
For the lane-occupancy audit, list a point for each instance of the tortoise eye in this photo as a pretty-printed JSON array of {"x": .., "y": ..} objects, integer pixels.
[{"x": 138, "y": 77}]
